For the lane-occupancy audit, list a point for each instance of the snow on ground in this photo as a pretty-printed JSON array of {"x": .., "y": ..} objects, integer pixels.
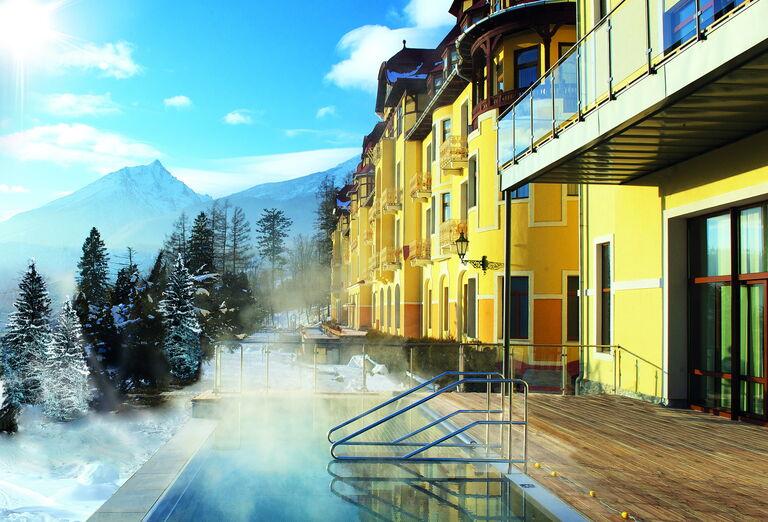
[
  {"x": 289, "y": 372},
  {"x": 65, "y": 471}
]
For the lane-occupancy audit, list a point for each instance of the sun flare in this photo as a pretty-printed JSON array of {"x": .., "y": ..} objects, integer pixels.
[{"x": 25, "y": 26}]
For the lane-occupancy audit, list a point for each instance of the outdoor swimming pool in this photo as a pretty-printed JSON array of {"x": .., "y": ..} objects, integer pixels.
[{"x": 268, "y": 460}]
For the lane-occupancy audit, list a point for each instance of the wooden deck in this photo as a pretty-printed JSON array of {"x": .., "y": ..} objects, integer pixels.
[{"x": 652, "y": 462}]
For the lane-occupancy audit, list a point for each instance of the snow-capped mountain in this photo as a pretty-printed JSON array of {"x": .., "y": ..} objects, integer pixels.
[
  {"x": 296, "y": 197},
  {"x": 118, "y": 204}
]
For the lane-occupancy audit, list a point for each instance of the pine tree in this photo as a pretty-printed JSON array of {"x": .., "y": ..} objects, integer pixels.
[
  {"x": 271, "y": 232},
  {"x": 65, "y": 387},
  {"x": 182, "y": 331},
  {"x": 201, "y": 246},
  {"x": 9, "y": 410},
  {"x": 177, "y": 244},
  {"x": 220, "y": 225},
  {"x": 93, "y": 270},
  {"x": 27, "y": 337},
  {"x": 326, "y": 218},
  {"x": 240, "y": 251}
]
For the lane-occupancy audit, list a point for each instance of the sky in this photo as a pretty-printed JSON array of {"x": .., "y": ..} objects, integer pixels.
[{"x": 227, "y": 94}]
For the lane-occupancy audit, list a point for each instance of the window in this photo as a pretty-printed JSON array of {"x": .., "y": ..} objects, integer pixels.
[
  {"x": 526, "y": 67},
  {"x": 446, "y": 315},
  {"x": 373, "y": 310},
  {"x": 572, "y": 309},
  {"x": 463, "y": 207},
  {"x": 429, "y": 158},
  {"x": 500, "y": 307},
  {"x": 381, "y": 309},
  {"x": 466, "y": 128},
  {"x": 603, "y": 8},
  {"x": 446, "y": 206},
  {"x": 434, "y": 142},
  {"x": 397, "y": 178},
  {"x": 397, "y": 233},
  {"x": 428, "y": 224},
  {"x": 604, "y": 294},
  {"x": 518, "y": 307},
  {"x": 472, "y": 182},
  {"x": 498, "y": 67},
  {"x": 397, "y": 306},
  {"x": 572, "y": 189},
  {"x": 429, "y": 309},
  {"x": 437, "y": 83},
  {"x": 446, "y": 130},
  {"x": 389, "y": 307},
  {"x": 433, "y": 221},
  {"x": 470, "y": 307},
  {"x": 521, "y": 192}
]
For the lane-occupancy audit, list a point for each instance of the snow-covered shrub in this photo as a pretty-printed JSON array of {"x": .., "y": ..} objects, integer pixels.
[
  {"x": 182, "y": 331},
  {"x": 65, "y": 387}
]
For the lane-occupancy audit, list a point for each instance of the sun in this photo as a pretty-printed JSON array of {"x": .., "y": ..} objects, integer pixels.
[{"x": 25, "y": 26}]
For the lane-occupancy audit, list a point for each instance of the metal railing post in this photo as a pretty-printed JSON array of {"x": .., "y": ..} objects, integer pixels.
[
  {"x": 509, "y": 427},
  {"x": 514, "y": 145},
  {"x": 461, "y": 364},
  {"x": 578, "y": 83},
  {"x": 619, "y": 367},
  {"x": 648, "y": 44},
  {"x": 410, "y": 364},
  {"x": 554, "y": 119},
  {"x": 488, "y": 416},
  {"x": 532, "y": 133},
  {"x": 564, "y": 368},
  {"x": 610, "y": 59},
  {"x": 699, "y": 35}
]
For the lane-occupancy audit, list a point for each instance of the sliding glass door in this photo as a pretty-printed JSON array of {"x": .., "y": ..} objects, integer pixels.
[{"x": 727, "y": 330}]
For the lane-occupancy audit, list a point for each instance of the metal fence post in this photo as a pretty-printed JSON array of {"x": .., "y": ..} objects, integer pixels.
[
  {"x": 554, "y": 118},
  {"x": 564, "y": 367},
  {"x": 649, "y": 45},
  {"x": 610, "y": 60},
  {"x": 532, "y": 133},
  {"x": 461, "y": 365}
]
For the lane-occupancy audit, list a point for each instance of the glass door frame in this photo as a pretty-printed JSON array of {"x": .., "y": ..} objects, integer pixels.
[{"x": 735, "y": 280}]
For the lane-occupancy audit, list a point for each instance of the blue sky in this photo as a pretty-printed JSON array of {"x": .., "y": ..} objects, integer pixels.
[{"x": 228, "y": 94}]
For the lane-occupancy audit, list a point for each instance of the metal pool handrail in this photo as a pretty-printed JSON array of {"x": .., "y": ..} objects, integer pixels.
[
  {"x": 405, "y": 394},
  {"x": 413, "y": 456}
]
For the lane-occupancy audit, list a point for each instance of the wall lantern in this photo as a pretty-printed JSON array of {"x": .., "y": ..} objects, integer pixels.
[{"x": 462, "y": 245}]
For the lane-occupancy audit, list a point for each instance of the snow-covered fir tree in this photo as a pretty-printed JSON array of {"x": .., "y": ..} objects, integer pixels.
[
  {"x": 27, "y": 337},
  {"x": 8, "y": 410},
  {"x": 65, "y": 386},
  {"x": 181, "y": 344}
]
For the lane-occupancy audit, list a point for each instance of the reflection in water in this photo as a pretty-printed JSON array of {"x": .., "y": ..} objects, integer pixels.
[
  {"x": 407, "y": 491},
  {"x": 268, "y": 460}
]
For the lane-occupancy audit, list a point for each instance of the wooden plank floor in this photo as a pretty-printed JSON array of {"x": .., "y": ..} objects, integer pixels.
[{"x": 654, "y": 463}]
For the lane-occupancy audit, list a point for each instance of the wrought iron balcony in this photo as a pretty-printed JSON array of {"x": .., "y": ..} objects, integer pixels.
[
  {"x": 391, "y": 200},
  {"x": 421, "y": 186},
  {"x": 391, "y": 258},
  {"x": 419, "y": 252},
  {"x": 368, "y": 235},
  {"x": 453, "y": 154},
  {"x": 449, "y": 233}
]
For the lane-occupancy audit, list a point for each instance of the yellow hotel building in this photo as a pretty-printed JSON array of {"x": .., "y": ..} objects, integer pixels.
[
  {"x": 429, "y": 176},
  {"x": 660, "y": 113}
]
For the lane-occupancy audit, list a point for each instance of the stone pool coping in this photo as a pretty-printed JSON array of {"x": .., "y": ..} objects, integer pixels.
[{"x": 136, "y": 497}]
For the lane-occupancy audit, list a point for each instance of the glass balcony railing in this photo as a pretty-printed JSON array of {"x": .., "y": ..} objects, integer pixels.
[{"x": 626, "y": 45}]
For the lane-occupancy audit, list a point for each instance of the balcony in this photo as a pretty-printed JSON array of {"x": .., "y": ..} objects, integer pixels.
[
  {"x": 368, "y": 235},
  {"x": 498, "y": 101},
  {"x": 645, "y": 89},
  {"x": 449, "y": 233},
  {"x": 453, "y": 154},
  {"x": 391, "y": 259},
  {"x": 421, "y": 186},
  {"x": 391, "y": 200},
  {"x": 375, "y": 212},
  {"x": 419, "y": 252}
]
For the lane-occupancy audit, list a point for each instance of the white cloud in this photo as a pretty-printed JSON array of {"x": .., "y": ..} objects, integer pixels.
[
  {"x": 429, "y": 13},
  {"x": 76, "y": 144},
  {"x": 114, "y": 60},
  {"x": 367, "y": 46},
  {"x": 178, "y": 102},
  {"x": 225, "y": 176},
  {"x": 12, "y": 189},
  {"x": 238, "y": 117},
  {"x": 75, "y": 105},
  {"x": 329, "y": 110}
]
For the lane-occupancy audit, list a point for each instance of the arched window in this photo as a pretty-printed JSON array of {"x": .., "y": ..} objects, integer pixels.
[
  {"x": 389, "y": 307},
  {"x": 373, "y": 309},
  {"x": 397, "y": 306},
  {"x": 381, "y": 309}
]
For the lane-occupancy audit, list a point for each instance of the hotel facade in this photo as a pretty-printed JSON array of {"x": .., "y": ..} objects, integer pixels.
[{"x": 613, "y": 157}]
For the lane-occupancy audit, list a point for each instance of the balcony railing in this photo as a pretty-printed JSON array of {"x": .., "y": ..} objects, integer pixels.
[
  {"x": 391, "y": 258},
  {"x": 421, "y": 186},
  {"x": 625, "y": 46},
  {"x": 453, "y": 154},
  {"x": 375, "y": 212},
  {"x": 419, "y": 252},
  {"x": 391, "y": 200},
  {"x": 449, "y": 233},
  {"x": 368, "y": 235},
  {"x": 376, "y": 153},
  {"x": 498, "y": 101}
]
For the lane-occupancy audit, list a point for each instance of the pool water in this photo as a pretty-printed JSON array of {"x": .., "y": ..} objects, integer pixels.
[{"x": 269, "y": 460}]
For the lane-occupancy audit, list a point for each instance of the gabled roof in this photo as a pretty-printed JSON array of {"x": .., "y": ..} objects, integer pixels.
[{"x": 407, "y": 69}]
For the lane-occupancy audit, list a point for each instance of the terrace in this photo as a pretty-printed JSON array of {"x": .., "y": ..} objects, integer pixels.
[{"x": 640, "y": 92}]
